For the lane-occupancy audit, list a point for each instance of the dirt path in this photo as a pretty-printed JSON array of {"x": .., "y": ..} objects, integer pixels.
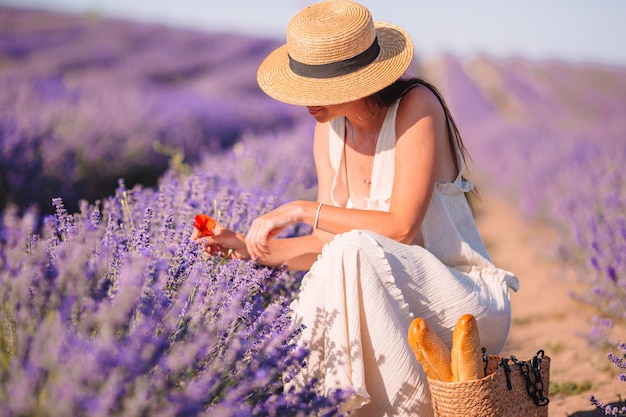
[{"x": 544, "y": 315}]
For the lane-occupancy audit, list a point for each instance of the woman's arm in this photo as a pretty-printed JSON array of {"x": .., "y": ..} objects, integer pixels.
[
  {"x": 297, "y": 253},
  {"x": 301, "y": 252}
]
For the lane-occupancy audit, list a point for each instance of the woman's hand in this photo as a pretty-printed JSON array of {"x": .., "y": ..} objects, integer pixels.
[
  {"x": 221, "y": 242},
  {"x": 268, "y": 226}
]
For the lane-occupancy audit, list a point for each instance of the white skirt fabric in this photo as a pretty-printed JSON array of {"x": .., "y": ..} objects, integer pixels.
[{"x": 357, "y": 303}]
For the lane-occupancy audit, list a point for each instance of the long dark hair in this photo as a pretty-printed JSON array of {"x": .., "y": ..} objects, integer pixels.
[{"x": 389, "y": 95}]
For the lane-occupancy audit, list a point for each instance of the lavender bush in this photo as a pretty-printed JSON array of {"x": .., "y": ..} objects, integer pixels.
[
  {"x": 86, "y": 101},
  {"x": 620, "y": 363},
  {"x": 113, "y": 311}
]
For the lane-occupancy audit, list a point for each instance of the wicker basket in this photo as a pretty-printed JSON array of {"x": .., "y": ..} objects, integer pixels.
[{"x": 491, "y": 395}]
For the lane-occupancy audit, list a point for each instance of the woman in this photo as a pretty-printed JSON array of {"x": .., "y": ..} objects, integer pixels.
[{"x": 393, "y": 236}]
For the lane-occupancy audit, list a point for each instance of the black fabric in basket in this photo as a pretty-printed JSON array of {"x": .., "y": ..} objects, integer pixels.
[{"x": 512, "y": 388}]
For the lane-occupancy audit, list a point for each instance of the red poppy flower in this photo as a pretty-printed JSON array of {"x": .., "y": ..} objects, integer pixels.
[{"x": 204, "y": 224}]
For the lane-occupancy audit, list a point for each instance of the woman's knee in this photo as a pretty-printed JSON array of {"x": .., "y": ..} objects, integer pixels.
[{"x": 355, "y": 240}]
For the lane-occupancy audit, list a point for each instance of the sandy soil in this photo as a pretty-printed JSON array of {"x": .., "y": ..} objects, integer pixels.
[{"x": 544, "y": 315}]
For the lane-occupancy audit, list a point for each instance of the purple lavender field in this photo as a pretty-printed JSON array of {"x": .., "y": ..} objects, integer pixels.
[
  {"x": 86, "y": 101},
  {"x": 108, "y": 309}
]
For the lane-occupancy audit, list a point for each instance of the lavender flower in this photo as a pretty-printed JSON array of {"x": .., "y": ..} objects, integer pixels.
[
  {"x": 84, "y": 96},
  {"x": 620, "y": 363},
  {"x": 128, "y": 316}
]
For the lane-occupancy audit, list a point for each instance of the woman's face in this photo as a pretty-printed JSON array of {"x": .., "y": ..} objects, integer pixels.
[{"x": 324, "y": 114}]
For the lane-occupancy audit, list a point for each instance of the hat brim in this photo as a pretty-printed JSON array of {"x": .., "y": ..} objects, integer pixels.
[{"x": 278, "y": 81}]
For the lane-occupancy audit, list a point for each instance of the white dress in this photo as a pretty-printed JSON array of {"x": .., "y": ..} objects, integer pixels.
[{"x": 360, "y": 296}]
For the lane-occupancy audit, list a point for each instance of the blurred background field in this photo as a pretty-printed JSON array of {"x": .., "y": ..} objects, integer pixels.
[{"x": 176, "y": 114}]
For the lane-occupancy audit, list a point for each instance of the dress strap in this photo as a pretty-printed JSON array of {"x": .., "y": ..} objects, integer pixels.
[
  {"x": 383, "y": 168},
  {"x": 336, "y": 147},
  {"x": 335, "y": 142}
]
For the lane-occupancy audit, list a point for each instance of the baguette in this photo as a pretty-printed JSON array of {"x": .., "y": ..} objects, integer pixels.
[
  {"x": 430, "y": 351},
  {"x": 466, "y": 360}
]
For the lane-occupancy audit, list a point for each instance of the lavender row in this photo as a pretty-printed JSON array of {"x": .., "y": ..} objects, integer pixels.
[
  {"x": 554, "y": 136},
  {"x": 113, "y": 311},
  {"x": 619, "y": 361},
  {"x": 86, "y": 101}
]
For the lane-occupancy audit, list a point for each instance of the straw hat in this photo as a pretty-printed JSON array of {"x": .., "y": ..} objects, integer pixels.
[{"x": 335, "y": 53}]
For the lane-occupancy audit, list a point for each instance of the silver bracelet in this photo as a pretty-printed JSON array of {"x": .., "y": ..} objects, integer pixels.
[{"x": 317, "y": 215}]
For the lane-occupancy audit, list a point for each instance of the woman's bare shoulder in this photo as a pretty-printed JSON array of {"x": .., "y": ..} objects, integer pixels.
[
  {"x": 420, "y": 101},
  {"x": 417, "y": 104}
]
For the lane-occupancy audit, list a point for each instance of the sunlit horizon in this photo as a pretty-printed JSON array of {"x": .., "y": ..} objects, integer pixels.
[{"x": 572, "y": 31}]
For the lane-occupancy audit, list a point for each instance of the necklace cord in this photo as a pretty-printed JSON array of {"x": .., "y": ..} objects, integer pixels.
[{"x": 374, "y": 141}]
